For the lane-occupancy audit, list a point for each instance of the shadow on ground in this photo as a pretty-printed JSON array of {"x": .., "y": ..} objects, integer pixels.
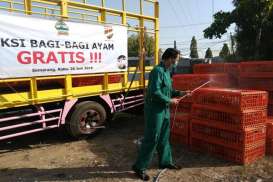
[{"x": 114, "y": 147}]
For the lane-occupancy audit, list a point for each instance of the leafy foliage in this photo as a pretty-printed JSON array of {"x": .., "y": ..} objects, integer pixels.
[
  {"x": 208, "y": 53},
  {"x": 225, "y": 51},
  {"x": 193, "y": 48},
  {"x": 254, "y": 25},
  {"x": 133, "y": 45}
]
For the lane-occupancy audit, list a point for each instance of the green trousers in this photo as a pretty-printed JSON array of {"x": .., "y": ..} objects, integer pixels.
[{"x": 156, "y": 137}]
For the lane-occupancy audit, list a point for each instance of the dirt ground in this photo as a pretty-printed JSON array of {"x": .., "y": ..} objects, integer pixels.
[{"x": 52, "y": 156}]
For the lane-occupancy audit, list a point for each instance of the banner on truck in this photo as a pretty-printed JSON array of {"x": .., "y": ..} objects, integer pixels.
[{"x": 38, "y": 47}]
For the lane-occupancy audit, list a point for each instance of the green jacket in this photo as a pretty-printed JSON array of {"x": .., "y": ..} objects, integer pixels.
[{"x": 160, "y": 91}]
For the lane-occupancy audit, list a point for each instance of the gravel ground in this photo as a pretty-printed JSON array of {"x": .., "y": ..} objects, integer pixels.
[{"x": 52, "y": 156}]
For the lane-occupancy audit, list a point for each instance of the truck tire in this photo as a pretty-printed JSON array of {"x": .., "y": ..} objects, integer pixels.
[{"x": 84, "y": 119}]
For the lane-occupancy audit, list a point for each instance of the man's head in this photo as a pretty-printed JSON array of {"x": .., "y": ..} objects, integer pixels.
[
  {"x": 170, "y": 57},
  {"x": 121, "y": 62}
]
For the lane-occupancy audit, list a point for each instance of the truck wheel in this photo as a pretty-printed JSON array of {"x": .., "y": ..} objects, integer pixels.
[{"x": 85, "y": 119}]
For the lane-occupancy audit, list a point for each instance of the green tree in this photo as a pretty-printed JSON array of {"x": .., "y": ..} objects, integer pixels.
[
  {"x": 224, "y": 53},
  {"x": 133, "y": 45},
  {"x": 254, "y": 25},
  {"x": 193, "y": 48},
  {"x": 149, "y": 45},
  {"x": 208, "y": 53},
  {"x": 160, "y": 53}
]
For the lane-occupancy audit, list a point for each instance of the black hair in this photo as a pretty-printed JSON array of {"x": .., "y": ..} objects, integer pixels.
[
  {"x": 122, "y": 57},
  {"x": 170, "y": 53}
]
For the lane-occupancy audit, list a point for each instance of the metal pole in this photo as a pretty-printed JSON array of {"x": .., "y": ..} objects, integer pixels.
[{"x": 212, "y": 10}]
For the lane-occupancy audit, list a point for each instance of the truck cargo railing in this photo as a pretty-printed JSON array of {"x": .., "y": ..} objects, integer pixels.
[{"x": 33, "y": 104}]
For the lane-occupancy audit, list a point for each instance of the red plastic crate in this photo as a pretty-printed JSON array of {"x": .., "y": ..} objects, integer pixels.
[
  {"x": 232, "y": 68},
  {"x": 235, "y": 140},
  {"x": 269, "y": 147},
  {"x": 183, "y": 107},
  {"x": 192, "y": 81},
  {"x": 181, "y": 124},
  {"x": 179, "y": 139},
  {"x": 270, "y": 110},
  {"x": 269, "y": 129},
  {"x": 187, "y": 99},
  {"x": 208, "y": 68},
  {"x": 244, "y": 156},
  {"x": 227, "y": 120},
  {"x": 256, "y": 66},
  {"x": 256, "y": 74},
  {"x": 270, "y": 97},
  {"x": 256, "y": 83},
  {"x": 231, "y": 99}
]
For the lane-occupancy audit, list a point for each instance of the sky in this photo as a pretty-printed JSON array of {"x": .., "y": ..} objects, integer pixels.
[{"x": 180, "y": 20}]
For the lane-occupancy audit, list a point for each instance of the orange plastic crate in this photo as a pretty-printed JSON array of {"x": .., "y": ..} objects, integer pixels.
[
  {"x": 270, "y": 97},
  {"x": 232, "y": 68},
  {"x": 235, "y": 140},
  {"x": 231, "y": 99},
  {"x": 187, "y": 99},
  {"x": 183, "y": 107},
  {"x": 243, "y": 156},
  {"x": 254, "y": 75},
  {"x": 227, "y": 120},
  {"x": 270, "y": 110},
  {"x": 191, "y": 81},
  {"x": 180, "y": 128},
  {"x": 181, "y": 124},
  {"x": 208, "y": 68},
  {"x": 269, "y": 129},
  {"x": 256, "y": 83},
  {"x": 257, "y": 67},
  {"x": 269, "y": 147},
  {"x": 179, "y": 139}
]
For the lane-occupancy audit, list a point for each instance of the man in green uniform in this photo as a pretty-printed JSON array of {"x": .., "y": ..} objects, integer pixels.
[{"x": 157, "y": 116}]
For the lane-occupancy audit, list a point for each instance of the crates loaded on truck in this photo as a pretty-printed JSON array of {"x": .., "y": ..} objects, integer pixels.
[{"x": 65, "y": 63}]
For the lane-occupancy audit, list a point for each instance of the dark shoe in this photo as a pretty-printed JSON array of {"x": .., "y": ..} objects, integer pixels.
[
  {"x": 141, "y": 174},
  {"x": 171, "y": 166}
]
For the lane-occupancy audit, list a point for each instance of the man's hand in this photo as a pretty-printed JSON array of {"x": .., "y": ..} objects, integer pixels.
[
  {"x": 174, "y": 101},
  {"x": 187, "y": 93}
]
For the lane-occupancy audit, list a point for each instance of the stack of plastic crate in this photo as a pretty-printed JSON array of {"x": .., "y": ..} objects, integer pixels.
[
  {"x": 269, "y": 136},
  {"x": 192, "y": 81},
  {"x": 180, "y": 123},
  {"x": 180, "y": 128},
  {"x": 231, "y": 69},
  {"x": 184, "y": 106},
  {"x": 258, "y": 75},
  {"x": 208, "y": 68},
  {"x": 180, "y": 114},
  {"x": 270, "y": 103},
  {"x": 229, "y": 123}
]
